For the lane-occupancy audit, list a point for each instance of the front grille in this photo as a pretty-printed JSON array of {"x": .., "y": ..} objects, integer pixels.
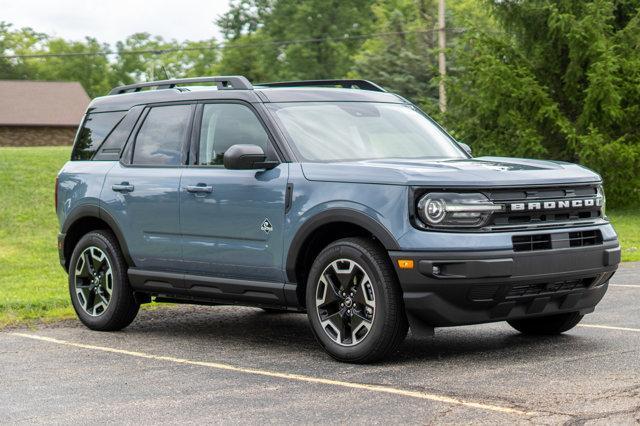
[
  {"x": 539, "y": 220},
  {"x": 543, "y": 217},
  {"x": 523, "y": 290}
]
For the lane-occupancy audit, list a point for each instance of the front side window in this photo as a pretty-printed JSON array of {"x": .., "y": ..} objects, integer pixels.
[
  {"x": 95, "y": 128},
  {"x": 227, "y": 124},
  {"x": 162, "y": 136},
  {"x": 352, "y": 131}
]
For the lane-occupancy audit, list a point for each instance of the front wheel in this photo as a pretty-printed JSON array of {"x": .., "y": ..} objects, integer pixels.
[
  {"x": 98, "y": 283},
  {"x": 549, "y": 325},
  {"x": 354, "y": 302}
]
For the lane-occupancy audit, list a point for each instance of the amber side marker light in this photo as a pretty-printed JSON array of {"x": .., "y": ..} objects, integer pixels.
[{"x": 405, "y": 263}]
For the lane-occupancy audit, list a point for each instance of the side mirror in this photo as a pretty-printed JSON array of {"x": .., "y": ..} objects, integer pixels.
[
  {"x": 246, "y": 157},
  {"x": 466, "y": 147}
]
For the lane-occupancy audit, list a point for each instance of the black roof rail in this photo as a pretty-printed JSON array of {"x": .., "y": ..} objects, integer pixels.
[
  {"x": 236, "y": 82},
  {"x": 347, "y": 84}
]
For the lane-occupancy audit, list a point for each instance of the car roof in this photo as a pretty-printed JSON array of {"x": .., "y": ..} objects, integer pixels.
[{"x": 267, "y": 93}]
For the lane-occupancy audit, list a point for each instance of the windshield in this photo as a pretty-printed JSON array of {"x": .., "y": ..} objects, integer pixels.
[{"x": 351, "y": 131}]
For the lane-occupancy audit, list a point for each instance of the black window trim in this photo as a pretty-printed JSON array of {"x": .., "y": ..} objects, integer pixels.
[
  {"x": 194, "y": 148},
  {"x": 126, "y": 159},
  {"x": 138, "y": 111},
  {"x": 82, "y": 124}
]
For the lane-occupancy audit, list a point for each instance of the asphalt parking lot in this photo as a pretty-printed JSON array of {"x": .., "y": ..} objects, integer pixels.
[{"x": 192, "y": 364}]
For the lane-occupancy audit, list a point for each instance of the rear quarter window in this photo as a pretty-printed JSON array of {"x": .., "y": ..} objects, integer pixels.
[{"x": 95, "y": 128}]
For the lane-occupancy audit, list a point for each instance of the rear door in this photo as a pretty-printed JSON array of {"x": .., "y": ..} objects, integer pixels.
[
  {"x": 141, "y": 192},
  {"x": 232, "y": 220}
]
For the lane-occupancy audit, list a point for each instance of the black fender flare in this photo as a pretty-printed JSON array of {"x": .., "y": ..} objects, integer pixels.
[
  {"x": 355, "y": 217},
  {"x": 80, "y": 212},
  {"x": 95, "y": 211}
]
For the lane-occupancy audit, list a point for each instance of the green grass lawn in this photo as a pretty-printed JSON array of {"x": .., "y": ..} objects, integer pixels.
[
  {"x": 33, "y": 286},
  {"x": 627, "y": 224},
  {"x": 32, "y": 283}
]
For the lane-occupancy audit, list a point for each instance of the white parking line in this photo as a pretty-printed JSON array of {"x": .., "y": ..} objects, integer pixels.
[
  {"x": 609, "y": 327},
  {"x": 296, "y": 377},
  {"x": 625, "y": 285}
]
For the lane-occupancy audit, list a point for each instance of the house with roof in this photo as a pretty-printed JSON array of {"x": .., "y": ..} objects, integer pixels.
[{"x": 40, "y": 113}]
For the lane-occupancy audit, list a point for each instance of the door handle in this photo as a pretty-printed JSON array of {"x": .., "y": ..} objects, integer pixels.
[
  {"x": 122, "y": 187},
  {"x": 199, "y": 188}
]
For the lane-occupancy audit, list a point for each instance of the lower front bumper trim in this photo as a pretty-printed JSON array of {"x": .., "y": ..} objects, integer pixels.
[{"x": 447, "y": 289}]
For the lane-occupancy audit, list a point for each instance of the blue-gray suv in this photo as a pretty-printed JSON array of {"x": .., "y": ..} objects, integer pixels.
[{"x": 332, "y": 197}]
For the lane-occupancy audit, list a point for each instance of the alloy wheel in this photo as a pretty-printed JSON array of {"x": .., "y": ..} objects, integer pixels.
[
  {"x": 345, "y": 302},
  {"x": 93, "y": 281}
]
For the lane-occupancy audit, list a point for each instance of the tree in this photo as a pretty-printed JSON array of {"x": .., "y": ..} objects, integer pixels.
[
  {"x": 92, "y": 63},
  {"x": 403, "y": 59},
  {"x": 162, "y": 59},
  {"x": 8, "y": 70},
  {"x": 244, "y": 17},
  {"x": 297, "y": 40},
  {"x": 16, "y": 42},
  {"x": 251, "y": 55},
  {"x": 560, "y": 79},
  {"x": 91, "y": 71}
]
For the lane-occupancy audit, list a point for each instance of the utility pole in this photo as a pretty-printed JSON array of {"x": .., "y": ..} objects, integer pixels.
[{"x": 442, "y": 64}]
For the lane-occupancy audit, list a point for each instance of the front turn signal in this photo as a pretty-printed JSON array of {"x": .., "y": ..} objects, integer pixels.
[{"x": 405, "y": 263}]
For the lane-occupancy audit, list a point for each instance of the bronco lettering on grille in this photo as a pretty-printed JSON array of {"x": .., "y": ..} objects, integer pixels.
[{"x": 555, "y": 204}]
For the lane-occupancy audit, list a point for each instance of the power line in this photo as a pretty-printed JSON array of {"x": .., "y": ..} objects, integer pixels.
[{"x": 345, "y": 37}]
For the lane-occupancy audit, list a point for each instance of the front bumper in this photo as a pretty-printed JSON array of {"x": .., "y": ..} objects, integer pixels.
[{"x": 456, "y": 288}]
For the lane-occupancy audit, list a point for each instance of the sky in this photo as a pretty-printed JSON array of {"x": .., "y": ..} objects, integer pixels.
[{"x": 113, "y": 20}]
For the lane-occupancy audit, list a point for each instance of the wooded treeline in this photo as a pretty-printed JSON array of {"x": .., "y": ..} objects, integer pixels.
[{"x": 555, "y": 79}]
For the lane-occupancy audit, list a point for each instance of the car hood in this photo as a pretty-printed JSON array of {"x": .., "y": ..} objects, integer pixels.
[{"x": 473, "y": 172}]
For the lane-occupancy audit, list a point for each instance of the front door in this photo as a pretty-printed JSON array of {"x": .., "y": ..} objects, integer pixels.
[
  {"x": 142, "y": 191},
  {"x": 232, "y": 220}
]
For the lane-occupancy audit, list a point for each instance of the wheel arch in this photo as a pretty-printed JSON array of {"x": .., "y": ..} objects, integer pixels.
[
  {"x": 324, "y": 228},
  {"x": 87, "y": 218}
]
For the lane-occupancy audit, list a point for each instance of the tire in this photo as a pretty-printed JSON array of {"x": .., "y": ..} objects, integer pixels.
[
  {"x": 371, "y": 323},
  {"x": 99, "y": 288},
  {"x": 550, "y": 325}
]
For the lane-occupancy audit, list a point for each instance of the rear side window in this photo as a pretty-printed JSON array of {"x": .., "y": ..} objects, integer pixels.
[
  {"x": 162, "y": 136},
  {"x": 95, "y": 128}
]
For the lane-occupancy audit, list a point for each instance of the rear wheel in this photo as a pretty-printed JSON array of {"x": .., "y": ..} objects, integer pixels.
[
  {"x": 354, "y": 303},
  {"x": 553, "y": 324},
  {"x": 98, "y": 283}
]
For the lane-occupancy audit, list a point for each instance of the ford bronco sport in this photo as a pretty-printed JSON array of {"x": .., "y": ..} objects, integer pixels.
[{"x": 332, "y": 197}]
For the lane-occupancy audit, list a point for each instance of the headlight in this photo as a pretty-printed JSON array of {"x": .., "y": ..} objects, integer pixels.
[{"x": 449, "y": 209}]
